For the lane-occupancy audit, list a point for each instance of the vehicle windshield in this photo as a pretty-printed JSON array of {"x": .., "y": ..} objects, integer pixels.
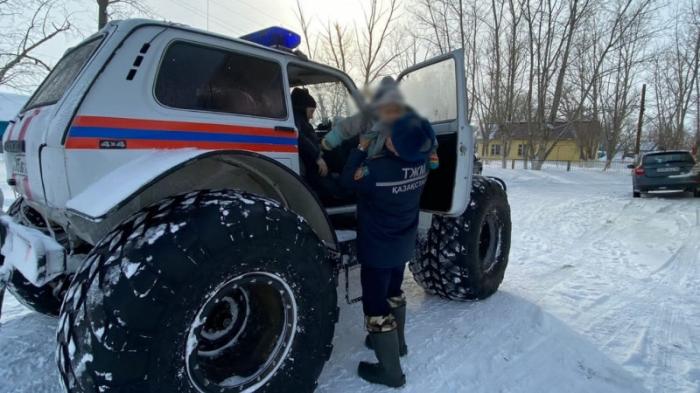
[
  {"x": 63, "y": 74},
  {"x": 667, "y": 158}
]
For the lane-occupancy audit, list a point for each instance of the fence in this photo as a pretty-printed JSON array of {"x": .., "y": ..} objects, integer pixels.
[{"x": 618, "y": 166}]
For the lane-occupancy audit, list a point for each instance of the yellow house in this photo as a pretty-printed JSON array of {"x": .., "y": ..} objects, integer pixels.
[{"x": 566, "y": 147}]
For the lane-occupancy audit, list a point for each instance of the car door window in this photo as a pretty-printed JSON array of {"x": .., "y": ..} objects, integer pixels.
[
  {"x": 198, "y": 77},
  {"x": 432, "y": 91},
  {"x": 435, "y": 89}
]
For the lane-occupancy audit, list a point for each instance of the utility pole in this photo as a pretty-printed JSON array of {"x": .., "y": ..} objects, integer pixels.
[
  {"x": 640, "y": 122},
  {"x": 697, "y": 119}
]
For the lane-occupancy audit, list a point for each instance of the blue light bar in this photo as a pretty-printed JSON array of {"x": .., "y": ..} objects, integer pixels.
[{"x": 274, "y": 37}]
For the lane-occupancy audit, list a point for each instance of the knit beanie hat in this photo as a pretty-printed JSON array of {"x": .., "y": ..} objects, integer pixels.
[
  {"x": 413, "y": 138},
  {"x": 387, "y": 93},
  {"x": 301, "y": 99}
]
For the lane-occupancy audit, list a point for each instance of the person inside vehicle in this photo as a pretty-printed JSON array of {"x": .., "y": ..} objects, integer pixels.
[
  {"x": 388, "y": 187},
  {"x": 313, "y": 167}
]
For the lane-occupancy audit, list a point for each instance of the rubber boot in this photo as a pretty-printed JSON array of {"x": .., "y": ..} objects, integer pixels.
[
  {"x": 388, "y": 371},
  {"x": 399, "y": 314}
]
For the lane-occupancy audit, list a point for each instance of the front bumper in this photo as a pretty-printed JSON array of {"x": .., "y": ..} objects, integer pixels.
[{"x": 38, "y": 257}]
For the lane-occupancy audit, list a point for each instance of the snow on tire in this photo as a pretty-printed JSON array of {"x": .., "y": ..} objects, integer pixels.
[
  {"x": 212, "y": 291},
  {"x": 465, "y": 257}
]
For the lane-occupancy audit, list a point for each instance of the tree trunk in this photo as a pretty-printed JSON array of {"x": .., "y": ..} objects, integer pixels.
[{"x": 102, "y": 16}]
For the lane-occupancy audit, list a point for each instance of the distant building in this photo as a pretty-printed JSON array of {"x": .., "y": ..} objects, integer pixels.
[
  {"x": 567, "y": 147},
  {"x": 10, "y": 104}
]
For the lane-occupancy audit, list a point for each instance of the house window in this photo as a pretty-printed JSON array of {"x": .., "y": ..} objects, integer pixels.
[
  {"x": 220, "y": 81},
  {"x": 521, "y": 150},
  {"x": 495, "y": 150}
]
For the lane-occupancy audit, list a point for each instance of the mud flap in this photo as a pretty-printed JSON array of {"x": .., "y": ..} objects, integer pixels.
[
  {"x": 347, "y": 258},
  {"x": 347, "y": 267}
]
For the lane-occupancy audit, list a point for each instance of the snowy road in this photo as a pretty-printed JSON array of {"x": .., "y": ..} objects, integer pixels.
[{"x": 601, "y": 295}]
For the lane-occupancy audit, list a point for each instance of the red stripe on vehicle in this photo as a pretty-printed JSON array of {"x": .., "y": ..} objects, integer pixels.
[
  {"x": 9, "y": 132},
  {"x": 120, "y": 122},
  {"x": 25, "y": 125},
  {"x": 94, "y": 143}
]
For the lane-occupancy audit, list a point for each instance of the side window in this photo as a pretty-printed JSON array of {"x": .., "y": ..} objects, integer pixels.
[
  {"x": 63, "y": 75},
  {"x": 193, "y": 76},
  {"x": 332, "y": 96},
  {"x": 334, "y": 101},
  {"x": 432, "y": 91}
]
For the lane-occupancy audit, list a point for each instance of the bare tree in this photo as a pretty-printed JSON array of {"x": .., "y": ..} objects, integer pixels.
[
  {"x": 379, "y": 21},
  {"x": 617, "y": 23},
  {"x": 337, "y": 46},
  {"x": 106, "y": 9},
  {"x": 504, "y": 70},
  {"x": 674, "y": 75},
  {"x": 617, "y": 95},
  {"x": 34, "y": 23},
  {"x": 305, "y": 26},
  {"x": 551, "y": 25}
]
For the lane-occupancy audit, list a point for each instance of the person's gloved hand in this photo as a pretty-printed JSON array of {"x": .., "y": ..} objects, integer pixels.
[{"x": 434, "y": 160}]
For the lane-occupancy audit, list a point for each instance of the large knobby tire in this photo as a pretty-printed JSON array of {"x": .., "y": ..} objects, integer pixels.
[
  {"x": 465, "y": 257},
  {"x": 45, "y": 299},
  {"x": 212, "y": 291}
]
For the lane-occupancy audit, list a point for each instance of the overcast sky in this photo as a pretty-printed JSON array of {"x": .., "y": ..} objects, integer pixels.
[{"x": 230, "y": 17}]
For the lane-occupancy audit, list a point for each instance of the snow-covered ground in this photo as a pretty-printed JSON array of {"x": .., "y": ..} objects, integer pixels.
[{"x": 601, "y": 295}]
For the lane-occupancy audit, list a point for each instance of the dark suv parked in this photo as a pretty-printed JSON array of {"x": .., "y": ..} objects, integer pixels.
[{"x": 666, "y": 170}]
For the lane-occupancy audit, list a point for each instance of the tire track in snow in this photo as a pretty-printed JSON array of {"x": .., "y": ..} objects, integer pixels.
[{"x": 634, "y": 301}]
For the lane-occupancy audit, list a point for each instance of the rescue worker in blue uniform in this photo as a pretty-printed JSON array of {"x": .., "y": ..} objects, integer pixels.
[{"x": 388, "y": 188}]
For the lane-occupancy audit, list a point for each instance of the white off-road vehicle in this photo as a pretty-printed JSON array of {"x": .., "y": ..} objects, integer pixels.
[{"x": 161, "y": 213}]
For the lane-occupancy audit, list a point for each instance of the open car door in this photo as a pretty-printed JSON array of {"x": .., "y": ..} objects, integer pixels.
[{"x": 436, "y": 90}]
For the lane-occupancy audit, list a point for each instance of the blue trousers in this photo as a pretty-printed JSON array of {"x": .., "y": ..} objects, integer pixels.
[{"x": 378, "y": 285}]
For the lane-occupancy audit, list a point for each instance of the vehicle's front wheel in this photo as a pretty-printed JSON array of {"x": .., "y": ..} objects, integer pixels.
[
  {"x": 465, "y": 257},
  {"x": 213, "y": 291}
]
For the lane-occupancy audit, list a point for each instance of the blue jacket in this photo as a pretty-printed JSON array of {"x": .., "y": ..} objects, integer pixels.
[{"x": 389, "y": 191}]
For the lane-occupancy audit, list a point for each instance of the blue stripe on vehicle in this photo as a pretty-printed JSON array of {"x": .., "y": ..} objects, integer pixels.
[{"x": 123, "y": 133}]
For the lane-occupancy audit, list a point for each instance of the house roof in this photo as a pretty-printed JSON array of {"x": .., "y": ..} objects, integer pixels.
[{"x": 565, "y": 130}]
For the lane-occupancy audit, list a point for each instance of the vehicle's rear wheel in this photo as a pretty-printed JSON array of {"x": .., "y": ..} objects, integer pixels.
[
  {"x": 213, "y": 291},
  {"x": 697, "y": 193},
  {"x": 465, "y": 257},
  {"x": 636, "y": 194},
  {"x": 45, "y": 299}
]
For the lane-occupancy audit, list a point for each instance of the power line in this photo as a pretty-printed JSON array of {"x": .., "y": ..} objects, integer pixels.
[
  {"x": 222, "y": 23},
  {"x": 276, "y": 20},
  {"x": 252, "y": 23}
]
